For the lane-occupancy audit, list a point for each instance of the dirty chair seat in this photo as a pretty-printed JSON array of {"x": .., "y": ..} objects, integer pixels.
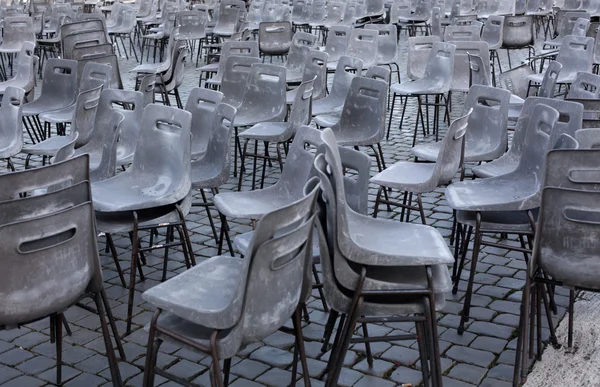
[
  {"x": 418, "y": 87},
  {"x": 252, "y": 204},
  {"x": 267, "y": 131},
  {"x": 382, "y": 242},
  {"x": 146, "y": 191},
  {"x": 58, "y": 116},
  {"x": 185, "y": 295},
  {"x": 48, "y": 147},
  {"x": 474, "y": 152},
  {"x": 503, "y": 193},
  {"x": 41, "y": 105},
  {"x": 249, "y": 118},
  {"x": 563, "y": 77},
  {"x": 501, "y": 166},
  {"x": 407, "y": 176},
  {"x": 329, "y": 119},
  {"x": 509, "y": 222}
]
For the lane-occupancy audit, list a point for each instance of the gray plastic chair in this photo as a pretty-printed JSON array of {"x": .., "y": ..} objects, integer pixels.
[
  {"x": 274, "y": 38},
  {"x": 202, "y": 103},
  {"x": 235, "y": 77},
  {"x": 168, "y": 83},
  {"x": 422, "y": 178},
  {"x": 302, "y": 43},
  {"x": 148, "y": 89},
  {"x": 585, "y": 86},
  {"x": 518, "y": 191},
  {"x": 59, "y": 90},
  {"x": 228, "y": 18},
  {"x": 192, "y": 27},
  {"x": 11, "y": 132},
  {"x": 362, "y": 122},
  {"x": 244, "y": 308},
  {"x": 486, "y": 137},
  {"x": 479, "y": 71},
  {"x": 82, "y": 124},
  {"x": 277, "y": 132},
  {"x": 436, "y": 81},
  {"x": 230, "y": 48},
  {"x": 314, "y": 69},
  {"x": 37, "y": 284},
  {"x": 518, "y": 34},
  {"x": 92, "y": 51},
  {"x": 493, "y": 33},
  {"x": 212, "y": 169},
  {"x": 364, "y": 45},
  {"x": 340, "y": 86},
  {"x": 17, "y": 30},
  {"x": 461, "y": 73},
  {"x": 84, "y": 38},
  {"x": 338, "y": 38},
  {"x": 419, "y": 48},
  {"x": 575, "y": 55},
  {"x": 102, "y": 147},
  {"x": 289, "y": 187},
  {"x": 143, "y": 185},
  {"x": 387, "y": 47},
  {"x": 25, "y": 77},
  {"x": 569, "y": 24},
  {"x": 358, "y": 241},
  {"x": 436, "y": 22},
  {"x": 571, "y": 120},
  {"x": 462, "y": 33}
]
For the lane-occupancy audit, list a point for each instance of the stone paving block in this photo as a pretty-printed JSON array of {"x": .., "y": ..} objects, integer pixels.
[
  {"x": 68, "y": 373},
  {"x": 24, "y": 381},
  {"x": 404, "y": 375},
  {"x": 30, "y": 340},
  {"x": 507, "y": 319},
  {"x": 37, "y": 364},
  {"x": 379, "y": 368},
  {"x": 349, "y": 359},
  {"x": 502, "y": 372},
  {"x": 275, "y": 377},
  {"x": 245, "y": 383},
  {"x": 491, "y": 344},
  {"x": 449, "y": 382},
  {"x": 272, "y": 356},
  {"x": 369, "y": 381},
  {"x": 249, "y": 369},
  {"x": 401, "y": 355},
  {"x": 470, "y": 355},
  {"x": 126, "y": 369},
  {"x": 348, "y": 377},
  {"x": 15, "y": 356},
  {"x": 8, "y": 373},
  {"x": 491, "y": 329},
  {"x": 86, "y": 380},
  {"x": 468, "y": 373}
]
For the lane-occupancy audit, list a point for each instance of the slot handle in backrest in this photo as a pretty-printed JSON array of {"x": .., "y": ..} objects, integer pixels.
[
  {"x": 171, "y": 127},
  {"x": 47, "y": 241}
]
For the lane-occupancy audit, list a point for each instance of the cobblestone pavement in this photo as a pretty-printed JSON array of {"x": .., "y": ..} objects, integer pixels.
[{"x": 483, "y": 355}]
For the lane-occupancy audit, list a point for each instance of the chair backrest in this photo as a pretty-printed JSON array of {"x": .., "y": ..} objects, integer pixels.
[
  {"x": 468, "y": 33},
  {"x": 235, "y": 77},
  {"x": 280, "y": 259},
  {"x": 235, "y": 48},
  {"x": 147, "y": 87},
  {"x": 379, "y": 72},
  {"x": 217, "y": 158},
  {"x": 315, "y": 69},
  {"x": 35, "y": 280},
  {"x": 461, "y": 72},
  {"x": 275, "y": 38},
  {"x": 546, "y": 88},
  {"x": 419, "y": 48},
  {"x": 202, "y": 103},
  {"x": 400, "y": 8},
  {"x": 387, "y": 43},
  {"x": 300, "y": 113},
  {"x": 89, "y": 73},
  {"x": 17, "y": 30},
  {"x": 515, "y": 80},
  {"x": 338, "y": 38},
  {"x": 576, "y": 54},
  {"x": 566, "y": 246},
  {"x": 60, "y": 78},
  {"x": 85, "y": 113},
  {"x": 451, "y": 154},
  {"x": 82, "y": 26},
  {"x": 25, "y": 66},
  {"x": 493, "y": 31},
  {"x": 585, "y": 86},
  {"x": 518, "y": 31},
  {"x": 343, "y": 76},
  {"x": 569, "y": 24},
  {"x": 581, "y": 26},
  {"x": 335, "y": 11},
  {"x": 479, "y": 71},
  {"x": 364, "y": 45},
  {"x": 83, "y": 39},
  {"x": 440, "y": 65},
  {"x": 318, "y": 12},
  {"x": 486, "y": 132},
  {"x": 163, "y": 149},
  {"x": 69, "y": 172},
  {"x": 191, "y": 24},
  {"x": 264, "y": 93},
  {"x": 92, "y": 51},
  {"x": 363, "y": 114},
  {"x": 570, "y": 118},
  {"x": 11, "y": 132},
  {"x": 302, "y": 43},
  {"x": 113, "y": 62},
  {"x": 588, "y": 138}
]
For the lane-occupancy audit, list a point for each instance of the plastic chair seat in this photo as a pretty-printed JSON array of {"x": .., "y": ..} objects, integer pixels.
[
  {"x": 150, "y": 68},
  {"x": 59, "y": 115},
  {"x": 418, "y": 87},
  {"x": 474, "y": 152},
  {"x": 10, "y": 47},
  {"x": 209, "y": 67},
  {"x": 407, "y": 176},
  {"x": 502, "y": 193},
  {"x": 249, "y": 118},
  {"x": 329, "y": 119},
  {"x": 252, "y": 204},
  {"x": 48, "y": 147},
  {"x": 41, "y": 105},
  {"x": 563, "y": 77},
  {"x": 185, "y": 295},
  {"x": 266, "y": 131},
  {"x": 147, "y": 191},
  {"x": 382, "y": 242},
  {"x": 327, "y": 105},
  {"x": 501, "y": 166}
]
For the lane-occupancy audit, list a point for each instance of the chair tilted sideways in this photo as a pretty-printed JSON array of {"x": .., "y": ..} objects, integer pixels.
[
  {"x": 240, "y": 310},
  {"x": 422, "y": 178},
  {"x": 26, "y": 64},
  {"x": 49, "y": 254},
  {"x": 503, "y": 204},
  {"x": 153, "y": 192},
  {"x": 375, "y": 281},
  {"x": 11, "y": 131}
]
